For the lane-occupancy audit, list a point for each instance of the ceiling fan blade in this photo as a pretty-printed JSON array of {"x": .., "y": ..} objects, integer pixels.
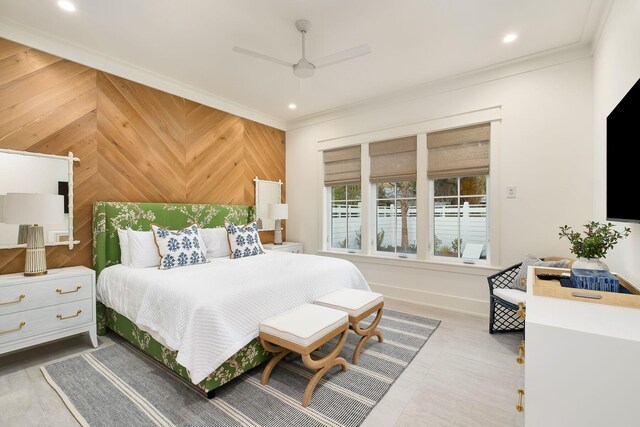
[
  {"x": 345, "y": 55},
  {"x": 261, "y": 56}
]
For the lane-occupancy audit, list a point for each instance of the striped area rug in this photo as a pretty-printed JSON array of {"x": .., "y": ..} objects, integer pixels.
[{"x": 118, "y": 386}]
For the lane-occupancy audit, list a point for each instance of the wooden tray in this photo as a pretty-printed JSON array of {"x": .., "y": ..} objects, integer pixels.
[{"x": 553, "y": 289}]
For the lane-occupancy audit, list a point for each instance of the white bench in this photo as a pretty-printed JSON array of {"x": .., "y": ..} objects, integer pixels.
[
  {"x": 302, "y": 330},
  {"x": 358, "y": 305}
]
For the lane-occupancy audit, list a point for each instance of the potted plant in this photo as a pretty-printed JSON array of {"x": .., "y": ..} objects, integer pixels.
[{"x": 593, "y": 245}]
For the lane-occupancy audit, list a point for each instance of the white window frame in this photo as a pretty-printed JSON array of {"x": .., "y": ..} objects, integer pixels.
[
  {"x": 424, "y": 193},
  {"x": 374, "y": 227},
  {"x": 493, "y": 206},
  {"x": 431, "y": 236},
  {"x": 328, "y": 203}
]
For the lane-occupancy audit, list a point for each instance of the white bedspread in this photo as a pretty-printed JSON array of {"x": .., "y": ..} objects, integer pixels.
[{"x": 210, "y": 311}]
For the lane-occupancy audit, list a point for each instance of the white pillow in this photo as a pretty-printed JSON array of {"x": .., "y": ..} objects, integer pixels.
[
  {"x": 216, "y": 241},
  {"x": 125, "y": 252},
  {"x": 143, "y": 249},
  {"x": 179, "y": 248},
  {"x": 244, "y": 240}
]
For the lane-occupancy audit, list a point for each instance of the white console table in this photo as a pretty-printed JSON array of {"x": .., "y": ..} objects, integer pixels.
[{"x": 582, "y": 364}]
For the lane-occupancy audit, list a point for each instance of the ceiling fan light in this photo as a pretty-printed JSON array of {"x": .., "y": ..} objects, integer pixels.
[{"x": 303, "y": 69}]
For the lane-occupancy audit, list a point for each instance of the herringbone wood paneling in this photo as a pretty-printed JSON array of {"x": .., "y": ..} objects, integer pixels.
[
  {"x": 48, "y": 105},
  {"x": 135, "y": 143}
]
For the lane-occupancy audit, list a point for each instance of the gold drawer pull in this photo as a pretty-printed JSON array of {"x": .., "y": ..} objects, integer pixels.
[
  {"x": 520, "y": 406},
  {"x": 14, "y": 330},
  {"x": 20, "y": 298},
  {"x": 61, "y": 317},
  {"x": 520, "y": 358},
  {"x": 61, "y": 292},
  {"x": 521, "y": 311}
]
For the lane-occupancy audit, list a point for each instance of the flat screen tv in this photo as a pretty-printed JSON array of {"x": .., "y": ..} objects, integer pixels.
[{"x": 623, "y": 177}]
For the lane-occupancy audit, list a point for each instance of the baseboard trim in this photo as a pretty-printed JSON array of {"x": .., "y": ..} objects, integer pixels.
[{"x": 471, "y": 306}]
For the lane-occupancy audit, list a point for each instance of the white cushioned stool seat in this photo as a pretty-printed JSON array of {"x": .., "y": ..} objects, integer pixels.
[
  {"x": 358, "y": 304},
  {"x": 514, "y": 296},
  {"x": 302, "y": 330},
  {"x": 353, "y": 301},
  {"x": 304, "y": 324}
]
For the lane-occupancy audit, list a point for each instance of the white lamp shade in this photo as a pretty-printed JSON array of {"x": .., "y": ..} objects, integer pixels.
[
  {"x": 32, "y": 208},
  {"x": 278, "y": 211},
  {"x": 1, "y": 206}
]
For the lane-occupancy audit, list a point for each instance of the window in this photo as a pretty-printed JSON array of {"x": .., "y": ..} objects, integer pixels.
[
  {"x": 460, "y": 217},
  {"x": 458, "y": 167},
  {"x": 345, "y": 217},
  {"x": 396, "y": 217},
  {"x": 393, "y": 172},
  {"x": 373, "y": 191},
  {"x": 342, "y": 179}
]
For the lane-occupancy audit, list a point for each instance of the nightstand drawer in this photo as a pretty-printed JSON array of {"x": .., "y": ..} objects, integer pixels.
[
  {"x": 291, "y": 247},
  {"x": 36, "y": 294},
  {"x": 25, "y": 324}
]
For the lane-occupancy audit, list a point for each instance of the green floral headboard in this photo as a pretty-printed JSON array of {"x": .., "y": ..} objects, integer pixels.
[{"x": 109, "y": 216}]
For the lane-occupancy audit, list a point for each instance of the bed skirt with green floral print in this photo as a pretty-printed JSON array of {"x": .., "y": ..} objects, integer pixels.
[{"x": 248, "y": 357}]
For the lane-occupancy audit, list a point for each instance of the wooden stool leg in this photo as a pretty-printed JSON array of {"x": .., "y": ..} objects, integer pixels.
[
  {"x": 280, "y": 353},
  {"x": 366, "y": 333},
  {"x": 323, "y": 365}
]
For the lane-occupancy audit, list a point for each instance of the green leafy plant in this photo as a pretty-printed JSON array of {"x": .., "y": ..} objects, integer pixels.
[
  {"x": 379, "y": 238},
  {"x": 597, "y": 239},
  {"x": 456, "y": 245},
  {"x": 436, "y": 243}
]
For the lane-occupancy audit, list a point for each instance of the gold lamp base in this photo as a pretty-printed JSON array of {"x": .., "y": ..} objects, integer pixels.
[
  {"x": 38, "y": 273},
  {"x": 35, "y": 263}
]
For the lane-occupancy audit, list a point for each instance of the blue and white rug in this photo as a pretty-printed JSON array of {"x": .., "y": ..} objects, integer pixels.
[{"x": 119, "y": 386}]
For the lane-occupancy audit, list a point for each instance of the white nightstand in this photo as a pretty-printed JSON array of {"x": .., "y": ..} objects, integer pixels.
[
  {"x": 34, "y": 310},
  {"x": 293, "y": 247}
]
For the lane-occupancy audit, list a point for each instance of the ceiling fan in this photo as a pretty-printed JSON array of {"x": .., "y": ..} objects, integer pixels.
[{"x": 305, "y": 68}]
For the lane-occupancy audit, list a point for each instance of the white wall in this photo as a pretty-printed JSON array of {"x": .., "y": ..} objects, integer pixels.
[
  {"x": 616, "y": 69},
  {"x": 546, "y": 150}
]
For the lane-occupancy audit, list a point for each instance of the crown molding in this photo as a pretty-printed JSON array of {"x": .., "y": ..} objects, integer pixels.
[
  {"x": 530, "y": 63},
  {"x": 49, "y": 43}
]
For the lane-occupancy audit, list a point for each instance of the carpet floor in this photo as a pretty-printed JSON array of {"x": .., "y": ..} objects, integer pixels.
[{"x": 118, "y": 386}]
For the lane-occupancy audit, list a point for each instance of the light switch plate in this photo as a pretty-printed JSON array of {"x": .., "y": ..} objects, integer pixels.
[{"x": 511, "y": 192}]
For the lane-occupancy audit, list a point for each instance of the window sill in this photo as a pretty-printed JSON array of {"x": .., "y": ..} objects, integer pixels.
[{"x": 476, "y": 270}]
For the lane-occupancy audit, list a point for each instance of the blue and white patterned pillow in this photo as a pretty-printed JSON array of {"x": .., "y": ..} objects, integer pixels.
[
  {"x": 179, "y": 248},
  {"x": 244, "y": 240}
]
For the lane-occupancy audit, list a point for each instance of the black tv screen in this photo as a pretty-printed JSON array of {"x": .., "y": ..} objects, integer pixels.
[{"x": 622, "y": 166}]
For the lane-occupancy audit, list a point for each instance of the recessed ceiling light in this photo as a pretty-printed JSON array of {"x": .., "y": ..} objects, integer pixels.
[
  {"x": 510, "y": 38},
  {"x": 292, "y": 106},
  {"x": 67, "y": 5}
]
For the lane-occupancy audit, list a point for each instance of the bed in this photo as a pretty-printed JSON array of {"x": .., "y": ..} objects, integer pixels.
[{"x": 202, "y": 321}]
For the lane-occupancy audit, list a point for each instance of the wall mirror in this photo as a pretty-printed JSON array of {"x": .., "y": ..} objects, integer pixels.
[
  {"x": 34, "y": 173},
  {"x": 267, "y": 192}
]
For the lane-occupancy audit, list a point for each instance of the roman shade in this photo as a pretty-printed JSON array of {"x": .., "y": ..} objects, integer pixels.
[
  {"x": 393, "y": 160},
  {"x": 459, "y": 152},
  {"x": 342, "y": 166}
]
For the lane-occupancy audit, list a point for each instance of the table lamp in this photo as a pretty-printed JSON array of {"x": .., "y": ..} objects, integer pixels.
[
  {"x": 278, "y": 211},
  {"x": 34, "y": 209}
]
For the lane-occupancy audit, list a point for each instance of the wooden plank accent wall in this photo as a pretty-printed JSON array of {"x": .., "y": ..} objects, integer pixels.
[{"x": 135, "y": 143}]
